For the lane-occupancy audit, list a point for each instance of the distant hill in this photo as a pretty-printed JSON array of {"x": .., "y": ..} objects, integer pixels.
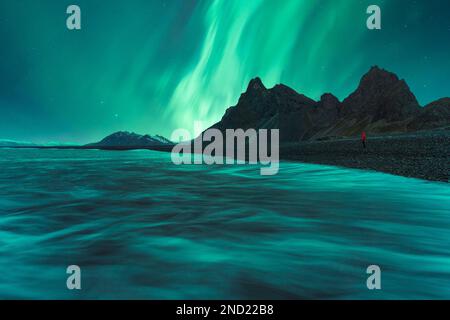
[
  {"x": 382, "y": 103},
  {"x": 13, "y": 143},
  {"x": 130, "y": 139},
  {"x": 16, "y": 144}
]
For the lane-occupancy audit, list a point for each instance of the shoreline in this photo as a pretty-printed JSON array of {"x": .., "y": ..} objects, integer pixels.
[
  {"x": 424, "y": 155},
  {"x": 421, "y": 155}
]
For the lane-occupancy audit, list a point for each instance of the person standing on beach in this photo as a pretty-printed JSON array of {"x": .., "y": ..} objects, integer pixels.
[{"x": 363, "y": 139}]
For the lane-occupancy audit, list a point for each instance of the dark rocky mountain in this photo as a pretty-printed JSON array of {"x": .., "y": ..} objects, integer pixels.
[
  {"x": 280, "y": 107},
  {"x": 435, "y": 114},
  {"x": 130, "y": 139},
  {"x": 382, "y": 103},
  {"x": 381, "y": 95}
]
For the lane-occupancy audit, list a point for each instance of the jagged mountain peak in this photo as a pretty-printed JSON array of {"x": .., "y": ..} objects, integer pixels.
[
  {"x": 256, "y": 84},
  {"x": 377, "y": 78},
  {"x": 380, "y": 71},
  {"x": 381, "y": 95}
]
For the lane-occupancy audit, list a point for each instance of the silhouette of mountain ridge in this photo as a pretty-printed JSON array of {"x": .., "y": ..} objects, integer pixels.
[{"x": 382, "y": 103}]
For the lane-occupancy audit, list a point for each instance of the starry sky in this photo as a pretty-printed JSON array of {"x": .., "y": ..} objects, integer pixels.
[{"x": 152, "y": 66}]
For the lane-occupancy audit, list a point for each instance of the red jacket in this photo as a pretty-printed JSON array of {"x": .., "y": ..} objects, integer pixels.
[{"x": 363, "y": 136}]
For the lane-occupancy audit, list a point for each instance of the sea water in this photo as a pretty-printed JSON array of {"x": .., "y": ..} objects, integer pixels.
[{"x": 141, "y": 227}]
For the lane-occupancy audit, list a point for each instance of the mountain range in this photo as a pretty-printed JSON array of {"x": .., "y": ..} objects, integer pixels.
[
  {"x": 382, "y": 103},
  {"x": 130, "y": 139}
]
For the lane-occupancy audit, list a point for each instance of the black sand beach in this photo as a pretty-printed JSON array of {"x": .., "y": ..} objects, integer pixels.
[{"x": 424, "y": 155}]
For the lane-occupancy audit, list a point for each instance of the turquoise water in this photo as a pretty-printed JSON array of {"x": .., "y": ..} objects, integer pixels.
[{"x": 141, "y": 227}]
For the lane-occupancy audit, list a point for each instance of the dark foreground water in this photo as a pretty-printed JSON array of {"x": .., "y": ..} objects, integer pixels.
[{"x": 141, "y": 227}]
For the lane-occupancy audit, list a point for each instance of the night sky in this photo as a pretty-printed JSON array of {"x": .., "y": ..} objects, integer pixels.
[{"x": 152, "y": 66}]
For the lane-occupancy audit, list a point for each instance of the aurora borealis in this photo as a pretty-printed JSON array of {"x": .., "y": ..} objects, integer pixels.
[{"x": 154, "y": 66}]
